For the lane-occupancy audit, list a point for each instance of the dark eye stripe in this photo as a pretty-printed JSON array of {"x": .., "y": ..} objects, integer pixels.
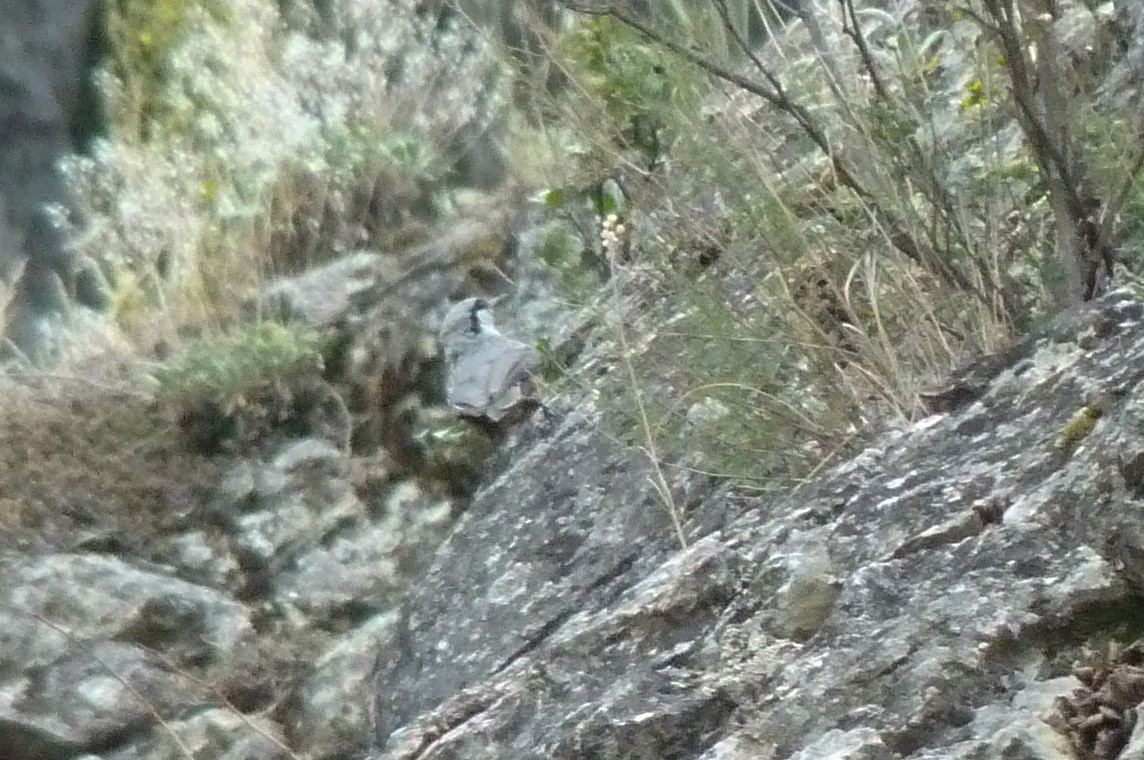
[{"x": 474, "y": 321}]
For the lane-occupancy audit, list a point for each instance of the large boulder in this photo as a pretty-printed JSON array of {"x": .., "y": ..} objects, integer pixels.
[
  {"x": 48, "y": 110},
  {"x": 47, "y": 101},
  {"x": 927, "y": 599},
  {"x": 79, "y": 650}
]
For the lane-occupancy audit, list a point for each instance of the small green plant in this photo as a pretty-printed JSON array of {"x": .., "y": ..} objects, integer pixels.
[
  {"x": 141, "y": 34},
  {"x": 1078, "y": 427},
  {"x": 978, "y": 95},
  {"x": 230, "y": 366},
  {"x": 647, "y": 94},
  {"x": 353, "y": 146},
  {"x": 235, "y": 388},
  {"x": 562, "y": 250}
]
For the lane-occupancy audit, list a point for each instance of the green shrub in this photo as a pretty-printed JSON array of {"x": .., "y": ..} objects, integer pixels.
[
  {"x": 646, "y": 94},
  {"x": 141, "y": 35},
  {"x": 817, "y": 245},
  {"x": 230, "y": 390},
  {"x": 229, "y": 367}
]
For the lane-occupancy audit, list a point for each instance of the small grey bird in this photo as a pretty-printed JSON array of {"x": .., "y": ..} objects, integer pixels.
[{"x": 489, "y": 375}]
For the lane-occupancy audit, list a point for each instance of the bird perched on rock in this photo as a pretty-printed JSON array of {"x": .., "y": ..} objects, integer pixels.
[{"x": 490, "y": 376}]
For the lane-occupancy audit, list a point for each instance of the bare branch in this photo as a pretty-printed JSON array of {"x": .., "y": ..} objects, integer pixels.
[
  {"x": 774, "y": 93},
  {"x": 853, "y": 30},
  {"x": 1083, "y": 222}
]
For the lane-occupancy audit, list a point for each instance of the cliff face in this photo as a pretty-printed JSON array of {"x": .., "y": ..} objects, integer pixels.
[
  {"x": 47, "y": 101},
  {"x": 320, "y": 584},
  {"x": 48, "y": 110},
  {"x": 926, "y": 599},
  {"x": 969, "y": 586}
]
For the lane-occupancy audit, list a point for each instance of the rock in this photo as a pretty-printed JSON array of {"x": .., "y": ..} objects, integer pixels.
[
  {"x": 91, "y": 286},
  {"x": 542, "y": 552},
  {"x": 202, "y": 558},
  {"x": 45, "y": 52},
  {"x": 325, "y": 295},
  {"x": 83, "y": 699},
  {"x": 926, "y": 599},
  {"x": 47, "y": 110},
  {"x": 738, "y": 747},
  {"x": 273, "y": 511},
  {"x": 858, "y": 744},
  {"x": 808, "y": 591},
  {"x": 77, "y": 649},
  {"x": 1018, "y": 729},
  {"x": 208, "y": 732},
  {"x": 562, "y": 614},
  {"x": 334, "y": 696},
  {"x": 1134, "y": 750},
  {"x": 365, "y": 564},
  {"x": 107, "y": 598}
]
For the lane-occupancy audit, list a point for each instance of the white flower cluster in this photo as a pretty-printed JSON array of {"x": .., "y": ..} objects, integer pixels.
[{"x": 613, "y": 237}]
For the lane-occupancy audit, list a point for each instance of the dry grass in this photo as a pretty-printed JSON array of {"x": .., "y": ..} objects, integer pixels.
[
  {"x": 828, "y": 229},
  {"x": 92, "y": 459}
]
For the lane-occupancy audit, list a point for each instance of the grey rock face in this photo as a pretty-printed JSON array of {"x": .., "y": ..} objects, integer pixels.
[
  {"x": 926, "y": 599},
  {"x": 273, "y": 511},
  {"x": 334, "y": 717},
  {"x": 255, "y": 636},
  {"x": 77, "y": 648},
  {"x": 81, "y": 700},
  {"x": 47, "y": 110},
  {"x": 325, "y": 295},
  {"x": 104, "y": 596},
  {"x": 214, "y": 733},
  {"x": 45, "y": 100}
]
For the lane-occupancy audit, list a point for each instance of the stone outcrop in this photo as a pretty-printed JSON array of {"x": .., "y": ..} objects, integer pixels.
[
  {"x": 47, "y": 103},
  {"x": 967, "y": 587},
  {"x": 241, "y": 621},
  {"x": 165, "y": 599},
  {"x": 927, "y": 599},
  {"x": 82, "y": 634},
  {"x": 48, "y": 110}
]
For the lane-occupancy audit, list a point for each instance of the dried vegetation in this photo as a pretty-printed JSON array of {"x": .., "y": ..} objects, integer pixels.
[{"x": 832, "y": 215}]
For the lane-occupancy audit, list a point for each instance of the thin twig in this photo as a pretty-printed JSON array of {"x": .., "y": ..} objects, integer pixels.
[
  {"x": 184, "y": 750},
  {"x": 659, "y": 481},
  {"x": 774, "y": 93}
]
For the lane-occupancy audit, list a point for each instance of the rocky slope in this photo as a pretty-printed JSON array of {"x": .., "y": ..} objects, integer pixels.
[
  {"x": 966, "y": 587},
  {"x": 969, "y": 585},
  {"x": 928, "y": 599}
]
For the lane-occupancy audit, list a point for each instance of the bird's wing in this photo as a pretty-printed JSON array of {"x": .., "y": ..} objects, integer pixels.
[
  {"x": 486, "y": 381},
  {"x": 512, "y": 375},
  {"x": 515, "y": 363}
]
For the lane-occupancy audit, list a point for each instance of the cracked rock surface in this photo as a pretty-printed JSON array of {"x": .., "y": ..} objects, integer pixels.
[{"x": 928, "y": 598}]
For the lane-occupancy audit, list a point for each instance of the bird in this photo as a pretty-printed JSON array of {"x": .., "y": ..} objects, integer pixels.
[{"x": 489, "y": 375}]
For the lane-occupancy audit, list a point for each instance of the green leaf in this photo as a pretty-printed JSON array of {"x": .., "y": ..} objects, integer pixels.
[{"x": 555, "y": 197}]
